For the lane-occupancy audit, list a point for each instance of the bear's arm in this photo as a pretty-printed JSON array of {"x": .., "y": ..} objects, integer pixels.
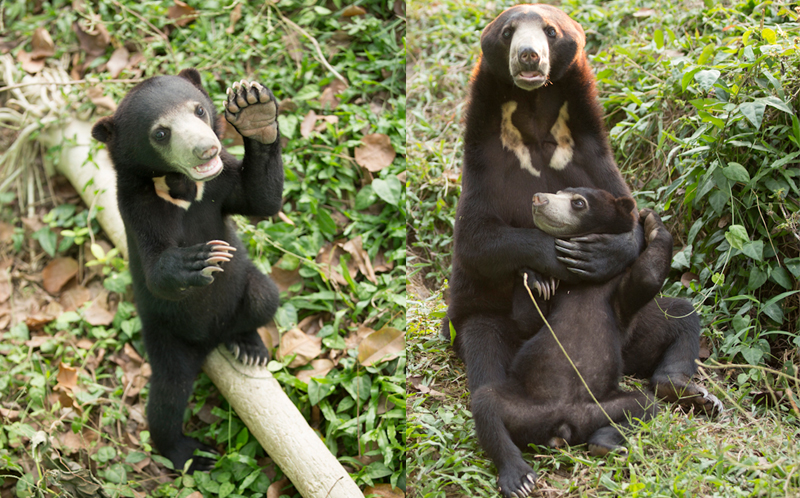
[
  {"x": 489, "y": 247},
  {"x": 257, "y": 180},
  {"x": 646, "y": 277},
  {"x": 169, "y": 271}
]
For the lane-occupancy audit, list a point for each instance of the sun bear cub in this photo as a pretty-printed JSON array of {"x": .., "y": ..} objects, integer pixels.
[{"x": 195, "y": 288}]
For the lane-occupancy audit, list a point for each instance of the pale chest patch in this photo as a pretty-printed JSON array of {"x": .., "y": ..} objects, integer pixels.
[
  {"x": 163, "y": 191},
  {"x": 512, "y": 139},
  {"x": 560, "y": 131}
]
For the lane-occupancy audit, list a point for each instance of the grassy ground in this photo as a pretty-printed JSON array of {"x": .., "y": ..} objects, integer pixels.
[
  {"x": 334, "y": 207},
  {"x": 671, "y": 129}
]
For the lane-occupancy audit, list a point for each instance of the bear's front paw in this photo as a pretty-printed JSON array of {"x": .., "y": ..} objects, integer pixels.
[
  {"x": 252, "y": 110},
  {"x": 545, "y": 286}
]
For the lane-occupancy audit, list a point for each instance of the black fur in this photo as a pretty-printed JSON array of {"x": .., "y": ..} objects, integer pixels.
[
  {"x": 496, "y": 240},
  {"x": 185, "y": 311},
  {"x": 543, "y": 401}
]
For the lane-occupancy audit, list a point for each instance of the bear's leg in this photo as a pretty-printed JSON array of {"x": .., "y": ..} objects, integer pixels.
[
  {"x": 664, "y": 344},
  {"x": 259, "y": 302},
  {"x": 175, "y": 366},
  {"x": 503, "y": 420},
  {"x": 622, "y": 409}
]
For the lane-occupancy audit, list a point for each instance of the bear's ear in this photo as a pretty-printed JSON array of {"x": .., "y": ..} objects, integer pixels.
[
  {"x": 103, "y": 130},
  {"x": 193, "y": 76},
  {"x": 625, "y": 204}
]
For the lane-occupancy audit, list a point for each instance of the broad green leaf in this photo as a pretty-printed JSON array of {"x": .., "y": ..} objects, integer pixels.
[
  {"x": 736, "y": 172},
  {"x": 754, "y": 250},
  {"x": 752, "y": 355},
  {"x": 777, "y": 103},
  {"x": 754, "y": 112},
  {"x": 706, "y": 54},
  {"x": 737, "y": 237},
  {"x": 757, "y": 278},
  {"x": 706, "y": 78},
  {"x": 325, "y": 222},
  {"x": 769, "y": 35},
  {"x": 774, "y": 311},
  {"x": 390, "y": 190},
  {"x": 658, "y": 36}
]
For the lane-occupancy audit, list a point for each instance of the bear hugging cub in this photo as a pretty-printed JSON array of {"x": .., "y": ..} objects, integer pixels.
[
  {"x": 194, "y": 286},
  {"x": 534, "y": 124}
]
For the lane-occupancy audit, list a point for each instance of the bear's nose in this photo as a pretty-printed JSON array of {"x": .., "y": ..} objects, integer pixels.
[
  {"x": 204, "y": 153},
  {"x": 528, "y": 55},
  {"x": 540, "y": 200}
]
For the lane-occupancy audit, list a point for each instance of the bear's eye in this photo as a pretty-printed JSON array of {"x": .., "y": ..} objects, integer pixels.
[
  {"x": 507, "y": 33},
  {"x": 199, "y": 112},
  {"x": 550, "y": 31},
  {"x": 578, "y": 203},
  {"x": 161, "y": 134}
]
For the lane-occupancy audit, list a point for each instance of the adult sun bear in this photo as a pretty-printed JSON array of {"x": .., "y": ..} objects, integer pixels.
[
  {"x": 534, "y": 124},
  {"x": 195, "y": 288}
]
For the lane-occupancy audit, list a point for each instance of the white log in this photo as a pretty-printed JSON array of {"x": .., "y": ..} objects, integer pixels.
[
  {"x": 253, "y": 392},
  {"x": 75, "y": 139},
  {"x": 280, "y": 427}
]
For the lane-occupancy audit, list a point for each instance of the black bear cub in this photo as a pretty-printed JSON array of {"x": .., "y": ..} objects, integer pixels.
[
  {"x": 195, "y": 288},
  {"x": 544, "y": 401}
]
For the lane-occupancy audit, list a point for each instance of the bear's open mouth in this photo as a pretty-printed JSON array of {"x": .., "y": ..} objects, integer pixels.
[
  {"x": 531, "y": 77},
  {"x": 208, "y": 170}
]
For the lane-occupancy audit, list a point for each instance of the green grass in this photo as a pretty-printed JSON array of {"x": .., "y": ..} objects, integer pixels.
[
  {"x": 328, "y": 198},
  {"x": 700, "y": 101}
]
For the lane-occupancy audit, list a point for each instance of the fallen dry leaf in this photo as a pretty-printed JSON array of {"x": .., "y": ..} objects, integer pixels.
[
  {"x": 68, "y": 442},
  {"x": 383, "y": 345},
  {"x": 323, "y": 122},
  {"x": 37, "y": 341},
  {"x": 85, "y": 343},
  {"x": 92, "y": 36},
  {"x": 329, "y": 257},
  {"x": 361, "y": 258},
  {"x": 644, "y": 13},
  {"x": 73, "y": 297},
  {"x": 305, "y": 346},
  {"x": 376, "y": 152},
  {"x": 42, "y": 43},
  {"x": 276, "y": 489},
  {"x": 307, "y": 126},
  {"x": 285, "y": 278},
  {"x": 236, "y": 14},
  {"x": 6, "y": 232},
  {"x": 181, "y": 13},
  {"x": 329, "y": 99},
  {"x": 97, "y": 315},
  {"x": 118, "y": 62},
  {"x": 103, "y": 101},
  {"x": 354, "y": 339},
  {"x": 28, "y": 63},
  {"x": 5, "y": 288},
  {"x": 67, "y": 376},
  {"x": 353, "y": 10},
  {"x": 384, "y": 490},
  {"x": 689, "y": 277},
  {"x": 44, "y": 316},
  {"x": 197, "y": 494},
  {"x": 321, "y": 367},
  {"x": 380, "y": 265},
  {"x": 57, "y": 273},
  {"x": 270, "y": 335}
]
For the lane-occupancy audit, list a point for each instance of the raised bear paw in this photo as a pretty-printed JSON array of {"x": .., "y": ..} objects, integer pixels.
[{"x": 252, "y": 110}]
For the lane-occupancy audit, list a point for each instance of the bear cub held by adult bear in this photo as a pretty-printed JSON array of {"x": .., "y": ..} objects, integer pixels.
[
  {"x": 195, "y": 288},
  {"x": 544, "y": 401}
]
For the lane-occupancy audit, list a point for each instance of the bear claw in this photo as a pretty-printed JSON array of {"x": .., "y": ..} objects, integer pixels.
[{"x": 251, "y": 109}]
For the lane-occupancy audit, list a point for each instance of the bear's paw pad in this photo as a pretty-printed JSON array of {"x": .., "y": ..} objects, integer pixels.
[{"x": 252, "y": 110}]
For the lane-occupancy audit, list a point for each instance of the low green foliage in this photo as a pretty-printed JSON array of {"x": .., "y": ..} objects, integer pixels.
[{"x": 328, "y": 199}]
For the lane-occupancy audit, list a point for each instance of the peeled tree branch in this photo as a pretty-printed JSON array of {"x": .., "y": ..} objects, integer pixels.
[{"x": 252, "y": 391}]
